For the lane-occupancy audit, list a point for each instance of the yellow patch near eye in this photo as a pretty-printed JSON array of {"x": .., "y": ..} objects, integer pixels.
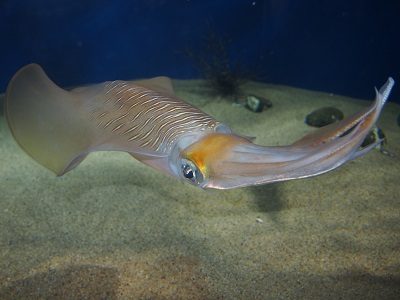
[{"x": 210, "y": 149}]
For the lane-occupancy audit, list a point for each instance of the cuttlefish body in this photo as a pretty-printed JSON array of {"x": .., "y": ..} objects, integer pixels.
[{"x": 59, "y": 128}]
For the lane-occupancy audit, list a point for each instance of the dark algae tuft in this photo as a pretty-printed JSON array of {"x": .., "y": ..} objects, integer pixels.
[{"x": 223, "y": 74}]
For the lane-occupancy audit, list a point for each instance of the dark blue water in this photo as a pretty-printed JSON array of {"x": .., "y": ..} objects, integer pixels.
[{"x": 343, "y": 47}]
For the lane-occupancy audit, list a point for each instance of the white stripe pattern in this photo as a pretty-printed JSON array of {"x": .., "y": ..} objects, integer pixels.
[{"x": 151, "y": 120}]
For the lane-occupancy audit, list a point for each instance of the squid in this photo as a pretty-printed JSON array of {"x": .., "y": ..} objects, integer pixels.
[{"x": 58, "y": 128}]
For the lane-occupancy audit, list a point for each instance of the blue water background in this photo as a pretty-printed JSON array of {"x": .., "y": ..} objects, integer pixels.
[{"x": 343, "y": 47}]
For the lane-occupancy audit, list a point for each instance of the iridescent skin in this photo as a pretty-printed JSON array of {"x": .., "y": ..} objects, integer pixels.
[{"x": 59, "y": 128}]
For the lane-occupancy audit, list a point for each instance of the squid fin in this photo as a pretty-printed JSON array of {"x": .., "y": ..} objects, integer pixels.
[{"x": 45, "y": 121}]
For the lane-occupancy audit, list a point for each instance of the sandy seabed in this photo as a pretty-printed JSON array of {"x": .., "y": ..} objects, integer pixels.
[{"x": 114, "y": 228}]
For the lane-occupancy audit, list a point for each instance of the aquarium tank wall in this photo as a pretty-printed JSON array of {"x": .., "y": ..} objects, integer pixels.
[
  {"x": 340, "y": 47},
  {"x": 252, "y": 174}
]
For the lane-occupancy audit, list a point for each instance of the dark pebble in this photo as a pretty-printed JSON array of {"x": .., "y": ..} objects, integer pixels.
[
  {"x": 374, "y": 135},
  {"x": 324, "y": 116},
  {"x": 257, "y": 103}
]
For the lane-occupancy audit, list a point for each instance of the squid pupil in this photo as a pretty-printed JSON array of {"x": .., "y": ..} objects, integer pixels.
[
  {"x": 187, "y": 171},
  {"x": 190, "y": 172}
]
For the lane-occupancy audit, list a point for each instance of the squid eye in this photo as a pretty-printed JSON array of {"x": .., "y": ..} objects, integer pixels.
[{"x": 191, "y": 172}]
